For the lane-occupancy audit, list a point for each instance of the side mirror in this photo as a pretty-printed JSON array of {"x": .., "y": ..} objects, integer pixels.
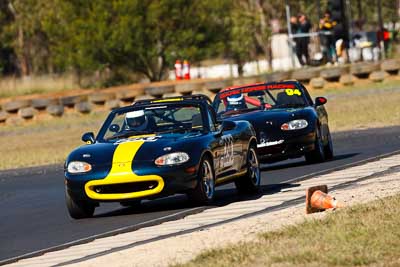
[
  {"x": 319, "y": 101},
  {"x": 88, "y": 138},
  {"x": 114, "y": 128},
  {"x": 226, "y": 126}
]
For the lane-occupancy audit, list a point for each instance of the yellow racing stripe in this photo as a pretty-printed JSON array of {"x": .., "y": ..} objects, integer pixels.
[{"x": 121, "y": 172}]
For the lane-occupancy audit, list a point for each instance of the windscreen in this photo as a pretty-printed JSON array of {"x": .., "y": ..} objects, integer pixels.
[
  {"x": 152, "y": 120},
  {"x": 260, "y": 97}
]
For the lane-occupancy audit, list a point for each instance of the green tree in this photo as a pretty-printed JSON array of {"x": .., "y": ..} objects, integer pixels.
[{"x": 144, "y": 36}]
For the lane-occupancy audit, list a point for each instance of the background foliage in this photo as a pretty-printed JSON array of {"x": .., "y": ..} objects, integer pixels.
[{"x": 145, "y": 36}]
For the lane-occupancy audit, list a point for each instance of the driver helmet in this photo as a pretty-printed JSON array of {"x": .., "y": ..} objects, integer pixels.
[
  {"x": 236, "y": 102},
  {"x": 136, "y": 120}
]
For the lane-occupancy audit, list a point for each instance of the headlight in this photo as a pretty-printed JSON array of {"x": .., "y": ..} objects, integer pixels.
[
  {"x": 172, "y": 159},
  {"x": 78, "y": 167},
  {"x": 294, "y": 125}
]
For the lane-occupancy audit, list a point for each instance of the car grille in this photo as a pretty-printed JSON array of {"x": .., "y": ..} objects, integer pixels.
[{"x": 125, "y": 187}]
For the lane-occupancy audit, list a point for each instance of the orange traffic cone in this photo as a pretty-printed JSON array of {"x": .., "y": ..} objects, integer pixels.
[{"x": 317, "y": 199}]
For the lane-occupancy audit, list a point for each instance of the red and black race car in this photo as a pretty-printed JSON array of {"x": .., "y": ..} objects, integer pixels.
[{"x": 287, "y": 121}]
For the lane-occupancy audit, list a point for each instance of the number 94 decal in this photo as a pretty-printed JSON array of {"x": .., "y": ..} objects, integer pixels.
[{"x": 291, "y": 92}]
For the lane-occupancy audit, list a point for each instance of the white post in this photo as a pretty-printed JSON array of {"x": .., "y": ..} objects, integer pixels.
[{"x": 290, "y": 40}]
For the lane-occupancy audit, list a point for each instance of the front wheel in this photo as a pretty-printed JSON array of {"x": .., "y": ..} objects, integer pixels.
[
  {"x": 204, "y": 191},
  {"x": 318, "y": 154},
  {"x": 250, "y": 182},
  {"x": 78, "y": 209}
]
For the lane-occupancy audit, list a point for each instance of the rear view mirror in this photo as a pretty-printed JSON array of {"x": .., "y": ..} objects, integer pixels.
[
  {"x": 88, "y": 138},
  {"x": 319, "y": 101}
]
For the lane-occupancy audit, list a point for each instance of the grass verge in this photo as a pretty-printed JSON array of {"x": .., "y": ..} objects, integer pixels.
[
  {"x": 47, "y": 142},
  {"x": 362, "y": 235}
]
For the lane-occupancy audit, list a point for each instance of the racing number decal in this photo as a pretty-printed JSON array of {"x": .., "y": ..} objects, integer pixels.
[
  {"x": 227, "y": 156},
  {"x": 291, "y": 92}
]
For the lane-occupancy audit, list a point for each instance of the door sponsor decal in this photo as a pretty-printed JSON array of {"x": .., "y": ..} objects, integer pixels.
[{"x": 227, "y": 156}]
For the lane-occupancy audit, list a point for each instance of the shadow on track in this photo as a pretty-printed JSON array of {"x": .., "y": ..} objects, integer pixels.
[
  {"x": 304, "y": 163},
  {"x": 223, "y": 197}
]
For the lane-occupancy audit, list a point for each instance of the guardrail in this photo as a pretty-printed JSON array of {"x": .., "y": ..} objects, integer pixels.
[{"x": 27, "y": 108}]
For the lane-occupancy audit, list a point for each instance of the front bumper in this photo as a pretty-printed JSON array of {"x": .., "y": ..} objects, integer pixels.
[
  {"x": 96, "y": 189},
  {"x": 142, "y": 184},
  {"x": 290, "y": 145}
]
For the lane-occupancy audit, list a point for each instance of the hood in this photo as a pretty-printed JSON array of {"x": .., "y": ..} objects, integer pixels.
[
  {"x": 140, "y": 148},
  {"x": 260, "y": 117},
  {"x": 267, "y": 123}
]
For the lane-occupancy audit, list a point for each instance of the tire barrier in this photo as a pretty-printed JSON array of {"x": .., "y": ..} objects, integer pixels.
[
  {"x": 278, "y": 76},
  {"x": 171, "y": 95},
  {"x": 14, "y": 105},
  {"x": 346, "y": 79},
  {"x": 83, "y": 107},
  {"x": 215, "y": 86},
  {"x": 158, "y": 91},
  {"x": 55, "y": 110},
  {"x": 14, "y": 121},
  {"x": 27, "y": 113},
  {"x": 305, "y": 75},
  {"x": 362, "y": 70},
  {"x": 332, "y": 74},
  {"x": 3, "y": 116},
  {"x": 100, "y": 98},
  {"x": 391, "y": 66},
  {"x": 208, "y": 93},
  {"x": 187, "y": 88},
  {"x": 15, "y": 110},
  {"x": 70, "y": 101},
  {"x": 317, "y": 83},
  {"x": 248, "y": 80},
  {"x": 42, "y": 103},
  {"x": 112, "y": 104},
  {"x": 144, "y": 97},
  {"x": 129, "y": 95},
  {"x": 377, "y": 76}
]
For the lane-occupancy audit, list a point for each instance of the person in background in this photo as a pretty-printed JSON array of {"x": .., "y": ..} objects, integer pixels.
[
  {"x": 303, "y": 27},
  {"x": 386, "y": 41},
  {"x": 294, "y": 28},
  {"x": 326, "y": 25}
]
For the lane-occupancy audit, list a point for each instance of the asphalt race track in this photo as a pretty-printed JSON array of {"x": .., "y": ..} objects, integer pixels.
[{"x": 34, "y": 217}]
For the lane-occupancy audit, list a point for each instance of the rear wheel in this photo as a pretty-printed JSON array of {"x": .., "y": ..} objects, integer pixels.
[
  {"x": 318, "y": 154},
  {"x": 78, "y": 209},
  {"x": 250, "y": 182},
  {"x": 204, "y": 191},
  {"x": 328, "y": 149}
]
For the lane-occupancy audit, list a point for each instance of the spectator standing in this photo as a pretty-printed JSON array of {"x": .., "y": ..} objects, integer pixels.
[
  {"x": 303, "y": 27},
  {"x": 326, "y": 25}
]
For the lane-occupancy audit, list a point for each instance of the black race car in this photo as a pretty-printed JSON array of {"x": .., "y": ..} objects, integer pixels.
[
  {"x": 287, "y": 121},
  {"x": 156, "y": 148}
]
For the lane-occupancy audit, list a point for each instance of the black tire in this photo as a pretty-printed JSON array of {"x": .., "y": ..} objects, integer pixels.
[
  {"x": 135, "y": 203},
  {"x": 328, "y": 149},
  {"x": 78, "y": 209},
  {"x": 250, "y": 182},
  {"x": 318, "y": 154},
  {"x": 204, "y": 191}
]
